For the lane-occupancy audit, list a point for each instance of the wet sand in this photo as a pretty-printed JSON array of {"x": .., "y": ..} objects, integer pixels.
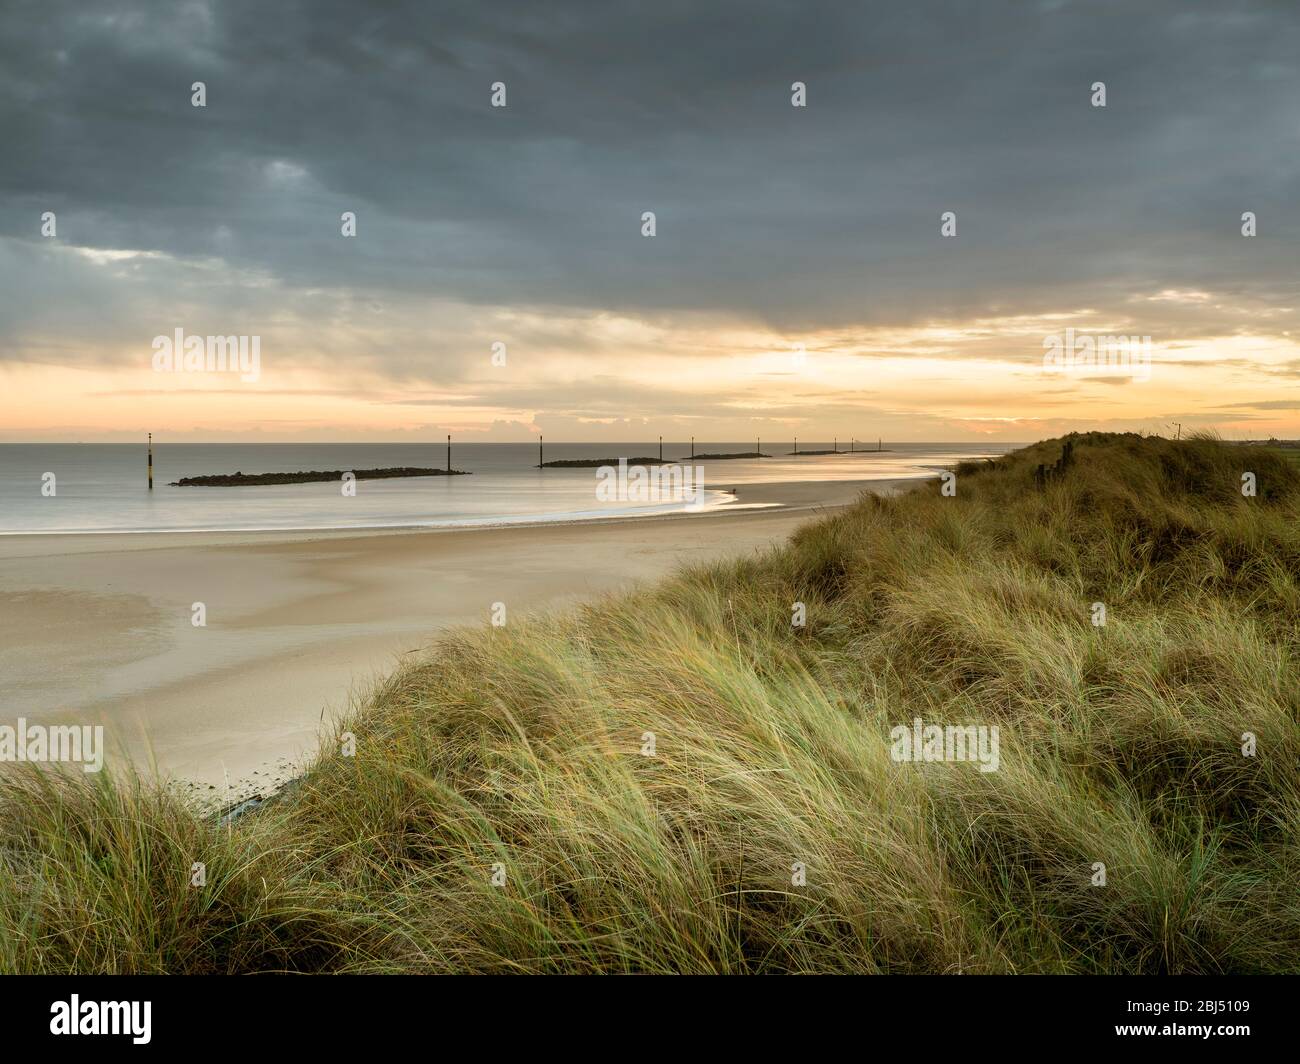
[{"x": 97, "y": 629}]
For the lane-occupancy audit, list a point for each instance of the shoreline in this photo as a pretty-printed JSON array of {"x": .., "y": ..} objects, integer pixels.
[
  {"x": 97, "y": 629},
  {"x": 768, "y": 497}
]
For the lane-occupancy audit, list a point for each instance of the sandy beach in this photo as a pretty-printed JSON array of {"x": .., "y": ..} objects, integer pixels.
[{"x": 98, "y": 629}]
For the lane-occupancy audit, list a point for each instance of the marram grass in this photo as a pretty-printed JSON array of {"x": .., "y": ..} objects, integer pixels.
[{"x": 500, "y": 814}]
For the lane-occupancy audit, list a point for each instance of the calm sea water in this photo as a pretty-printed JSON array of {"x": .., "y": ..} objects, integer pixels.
[{"x": 102, "y": 487}]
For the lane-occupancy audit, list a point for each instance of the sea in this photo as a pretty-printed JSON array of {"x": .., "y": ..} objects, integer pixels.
[{"x": 93, "y": 487}]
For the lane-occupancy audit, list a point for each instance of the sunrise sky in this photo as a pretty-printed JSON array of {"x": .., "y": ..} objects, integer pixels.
[{"x": 777, "y": 226}]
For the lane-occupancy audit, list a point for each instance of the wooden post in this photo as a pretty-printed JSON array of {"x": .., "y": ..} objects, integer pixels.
[
  {"x": 151, "y": 461},
  {"x": 661, "y": 448},
  {"x": 796, "y": 445},
  {"x": 448, "y": 454},
  {"x": 836, "y": 445},
  {"x": 759, "y": 448},
  {"x": 541, "y": 459},
  {"x": 692, "y": 448},
  {"x": 880, "y": 443}
]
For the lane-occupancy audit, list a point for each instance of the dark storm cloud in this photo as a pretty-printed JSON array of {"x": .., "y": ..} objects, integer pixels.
[{"x": 796, "y": 218}]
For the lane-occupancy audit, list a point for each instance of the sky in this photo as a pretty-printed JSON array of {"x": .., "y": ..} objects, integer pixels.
[{"x": 798, "y": 281}]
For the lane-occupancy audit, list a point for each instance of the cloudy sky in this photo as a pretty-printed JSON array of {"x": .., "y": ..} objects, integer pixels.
[{"x": 797, "y": 283}]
